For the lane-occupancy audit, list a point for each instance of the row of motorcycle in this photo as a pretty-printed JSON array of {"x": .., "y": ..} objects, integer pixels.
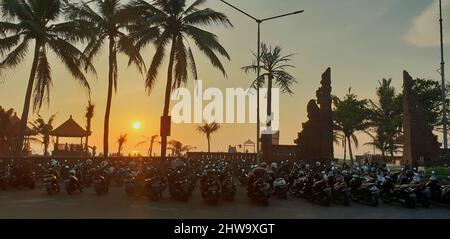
[
  {"x": 365, "y": 185},
  {"x": 321, "y": 184},
  {"x": 181, "y": 181}
]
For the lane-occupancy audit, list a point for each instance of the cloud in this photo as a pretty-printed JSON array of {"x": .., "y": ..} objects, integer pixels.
[{"x": 425, "y": 28}]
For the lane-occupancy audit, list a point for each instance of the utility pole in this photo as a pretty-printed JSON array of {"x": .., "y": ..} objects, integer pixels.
[
  {"x": 259, "y": 22},
  {"x": 444, "y": 91}
]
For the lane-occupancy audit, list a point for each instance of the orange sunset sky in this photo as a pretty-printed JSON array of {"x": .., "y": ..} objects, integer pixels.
[{"x": 362, "y": 40}]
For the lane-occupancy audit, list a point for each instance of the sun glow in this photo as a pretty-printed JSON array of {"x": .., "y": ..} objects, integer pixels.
[{"x": 137, "y": 125}]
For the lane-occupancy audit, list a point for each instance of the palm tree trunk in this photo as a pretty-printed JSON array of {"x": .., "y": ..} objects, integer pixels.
[
  {"x": 26, "y": 106},
  {"x": 345, "y": 149},
  {"x": 209, "y": 143},
  {"x": 88, "y": 129},
  {"x": 150, "y": 149},
  {"x": 46, "y": 143},
  {"x": 269, "y": 100},
  {"x": 109, "y": 99},
  {"x": 167, "y": 98},
  {"x": 350, "y": 150}
]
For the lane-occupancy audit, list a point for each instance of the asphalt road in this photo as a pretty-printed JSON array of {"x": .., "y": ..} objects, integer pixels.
[{"x": 24, "y": 204}]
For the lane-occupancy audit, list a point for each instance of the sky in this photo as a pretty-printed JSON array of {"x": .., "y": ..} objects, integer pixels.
[{"x": 362, "y": 41}]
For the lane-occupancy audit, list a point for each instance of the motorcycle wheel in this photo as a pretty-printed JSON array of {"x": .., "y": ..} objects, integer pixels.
[
  {"x": 410, "y": 202},
  {"x": 154, "y": 197},
  {"x": 355, "y": 197},
  {"x": 343, "y": 199},
  {"x": 51, "y": 191},
  {"x": 426, "y": 203},
  {"x": 374, "y": 201},
  {"x": 31, "y": 185},
  {"x": 386, "y": 197},
  {"x": 326, "y": 200}
]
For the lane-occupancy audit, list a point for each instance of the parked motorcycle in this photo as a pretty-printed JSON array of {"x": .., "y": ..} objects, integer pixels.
[
  {"x": 364, "y": 191},
  {"x": 228, "y": 189},
  {"x": 397, "y": 193},
  {"x": 101, "y": 185},
  {"x": 155, "y": 187},
  {"x": 280, "y": 188},
  {"x": 73, "y": 184},
  {"x": 340, "y": 191},
  {"x": 439, "y": 194}
]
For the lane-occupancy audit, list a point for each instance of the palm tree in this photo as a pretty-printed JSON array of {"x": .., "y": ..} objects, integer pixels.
[
  {"x": 178, "y": 149},
  {"x": 122, "y": 140},
  {"x": 44, "y": 128},
  {"x": 208, "y": 130},
  {"x": 167, "y": 22},
  {"x": 39, "y": 21},
  {"x": 90, "y": 110},
  {"x": 5, "y": 129},
  {"x": 350, "y": 116},
  {"x": 151, "y": 141},
  {"x": 386, "y": 118},
  {"x": 108, "y": 23},
  {"x": 274, "y": 68}
]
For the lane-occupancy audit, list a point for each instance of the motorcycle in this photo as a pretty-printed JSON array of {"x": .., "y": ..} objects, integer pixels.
[
  {"x": 397, "y": 193},
  {"x": 211, "y": 191},
  {"x": 73, "y": 184},
  {"x": 51, "y": 182},
  {"x": 259, "y": 191},
  {"x": 154, "y": 188},
  {"x": 364, "y": 191},
  {"x": 101, "y": 185},
  {"x": 438, "y": 192},
  {"x": 280, "y": 188},
  {"x": 228, "y": 189},
  {"x": 340, "y": 192},
  {"x": 243, "y": 178},
  {"x": 5, "y": 178},
  {"x": 321, "y": 192},
  {"x": 423, "y": 193},
  {"x": 130, "y": 185},
  {"x": 179, "y": 187}
]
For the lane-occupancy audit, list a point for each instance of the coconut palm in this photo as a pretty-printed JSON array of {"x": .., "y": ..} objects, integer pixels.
[
  {"x": 109, "y": 21},
  {"x": 208, "y": 130},
  {"x": 150, "y": 141},
  {"x": 44, "y": 128},
  {"x": 274, "y": 68},
  {"x": 90, "y": 110},
  {"x": 170, "y": 23},
  {"x": 386, "y": 118},
  {"x": 350, "y": 116},
  {"x": 178, "y": 149},
  {"x": 5, "y": 129},
  {"x": 38, "y": 21},
  {"x": 122, "y": 140}
]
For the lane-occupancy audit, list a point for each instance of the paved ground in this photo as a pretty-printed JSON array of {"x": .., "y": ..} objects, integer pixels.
[{"x": 37, "y": 204}]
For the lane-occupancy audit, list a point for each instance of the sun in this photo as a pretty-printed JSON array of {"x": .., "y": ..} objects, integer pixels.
[{"x": 136, "y": 125}]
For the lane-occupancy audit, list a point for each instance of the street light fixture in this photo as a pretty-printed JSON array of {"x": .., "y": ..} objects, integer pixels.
[{"x": 259, "y": 22}]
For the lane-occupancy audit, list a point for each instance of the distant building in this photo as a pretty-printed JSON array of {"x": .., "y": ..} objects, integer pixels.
[{"x": 232, "y": 149}]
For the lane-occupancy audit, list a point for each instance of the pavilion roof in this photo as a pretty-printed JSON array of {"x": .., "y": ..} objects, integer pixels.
[
  {"x": 249, "y": 142},
  {"x": 70, "y": 129}
]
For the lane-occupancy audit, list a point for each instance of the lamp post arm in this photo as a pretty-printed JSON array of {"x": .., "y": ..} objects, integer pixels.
[
  {"x": 284, "y": 15},
  {"x": 241, "y": 11}
]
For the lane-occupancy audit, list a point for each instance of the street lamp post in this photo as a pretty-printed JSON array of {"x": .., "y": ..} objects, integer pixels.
[
  {"x": 444, "y": 93},
  {"x": 259, "y": 22}
]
